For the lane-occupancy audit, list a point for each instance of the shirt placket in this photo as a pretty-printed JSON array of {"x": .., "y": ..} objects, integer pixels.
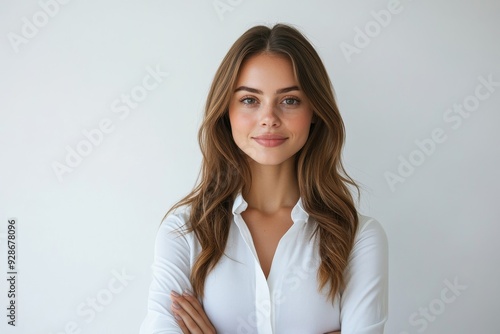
[{"x": 261, "y": 318}]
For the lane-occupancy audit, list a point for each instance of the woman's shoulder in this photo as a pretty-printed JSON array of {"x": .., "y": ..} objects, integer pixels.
[
  {"x": 370, "y": 227},
  {"x": 176, "y": 220}
]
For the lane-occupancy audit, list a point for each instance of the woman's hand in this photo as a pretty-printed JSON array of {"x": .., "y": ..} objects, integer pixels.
[{"x": 190, "y": 315}]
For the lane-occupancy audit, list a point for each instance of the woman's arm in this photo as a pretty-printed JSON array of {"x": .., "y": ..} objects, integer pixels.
[
  {"x": 363, "y": 304},
  {"x": 170, "y": 271}
]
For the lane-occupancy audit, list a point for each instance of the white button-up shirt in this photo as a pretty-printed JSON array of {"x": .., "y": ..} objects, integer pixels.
[{"x": 238, "y": 297}]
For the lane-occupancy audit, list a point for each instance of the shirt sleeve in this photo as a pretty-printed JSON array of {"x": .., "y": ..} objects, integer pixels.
[
  {"x": 170, "y": 270},
  {"x": 364, "y": 301}
]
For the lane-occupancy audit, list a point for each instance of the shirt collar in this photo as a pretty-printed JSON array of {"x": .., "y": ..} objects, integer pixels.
[{"x": 299, "y": 214}]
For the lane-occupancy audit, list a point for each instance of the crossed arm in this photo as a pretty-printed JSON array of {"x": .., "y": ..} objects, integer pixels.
[{"x": 190, "y": 315}]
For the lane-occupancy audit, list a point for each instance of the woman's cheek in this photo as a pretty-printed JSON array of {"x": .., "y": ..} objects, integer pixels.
[{"x": 241, "y": 122}]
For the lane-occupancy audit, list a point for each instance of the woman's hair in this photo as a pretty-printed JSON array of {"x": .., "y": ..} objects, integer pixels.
[{"x": 323, "y": 182}]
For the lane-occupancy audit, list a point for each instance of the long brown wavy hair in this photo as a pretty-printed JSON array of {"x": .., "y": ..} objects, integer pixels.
[{"x": 323, "y": 182}]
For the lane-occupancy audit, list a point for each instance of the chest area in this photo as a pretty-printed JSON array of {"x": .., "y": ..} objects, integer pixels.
[
  {"x": 239, "y": 298},
  {"x": 266, "y": 232}
]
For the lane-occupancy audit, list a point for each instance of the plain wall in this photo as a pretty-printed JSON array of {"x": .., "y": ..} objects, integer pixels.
[{"x": 86, "y": 233}]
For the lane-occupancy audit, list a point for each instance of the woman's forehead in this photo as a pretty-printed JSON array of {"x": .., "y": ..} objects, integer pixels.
[{"x": 267, "y": 73}]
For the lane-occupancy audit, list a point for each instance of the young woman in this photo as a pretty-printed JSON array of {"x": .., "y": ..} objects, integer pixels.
[{"x": 270, "y": 240}]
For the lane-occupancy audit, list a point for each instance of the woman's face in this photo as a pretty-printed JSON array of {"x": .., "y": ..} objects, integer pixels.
[{"x": 269, "y": 113}]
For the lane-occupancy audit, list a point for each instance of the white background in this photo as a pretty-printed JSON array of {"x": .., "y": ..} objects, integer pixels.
[{"x": 76, "y": 233}]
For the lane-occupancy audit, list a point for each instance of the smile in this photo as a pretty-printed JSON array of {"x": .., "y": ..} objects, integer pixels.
[{"x": 270, "y": 140}]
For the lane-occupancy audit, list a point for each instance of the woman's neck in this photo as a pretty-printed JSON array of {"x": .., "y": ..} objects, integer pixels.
[{"x": 273, "y": 187}]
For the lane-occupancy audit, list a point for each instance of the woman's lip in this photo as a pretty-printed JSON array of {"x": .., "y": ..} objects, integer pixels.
[
  {"x": 270, "y": 142},
  {"x": 269, "y": 136}
]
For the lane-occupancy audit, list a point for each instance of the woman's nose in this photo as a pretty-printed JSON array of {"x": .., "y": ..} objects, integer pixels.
[{"x": 269, "y": 117}]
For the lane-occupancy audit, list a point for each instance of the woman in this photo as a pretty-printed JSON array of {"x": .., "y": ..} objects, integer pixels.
[{"x": 269, "y": 241}]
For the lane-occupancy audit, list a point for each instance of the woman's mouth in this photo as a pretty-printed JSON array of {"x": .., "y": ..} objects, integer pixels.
[{"x": 270, "y": 140}]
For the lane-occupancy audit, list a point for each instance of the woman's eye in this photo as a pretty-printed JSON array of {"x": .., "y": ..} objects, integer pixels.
[
  {"x": 248, "y": 100},
  {"x": 291, "y": 101}
]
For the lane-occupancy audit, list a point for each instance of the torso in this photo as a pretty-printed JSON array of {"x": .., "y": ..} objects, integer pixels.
[{"x": 267, "y": 231}]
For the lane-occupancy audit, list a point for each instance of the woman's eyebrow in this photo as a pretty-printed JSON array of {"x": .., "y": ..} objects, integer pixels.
[
  {"x": 287, "y": 89},
  {"x": 257, "y": 91}
]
